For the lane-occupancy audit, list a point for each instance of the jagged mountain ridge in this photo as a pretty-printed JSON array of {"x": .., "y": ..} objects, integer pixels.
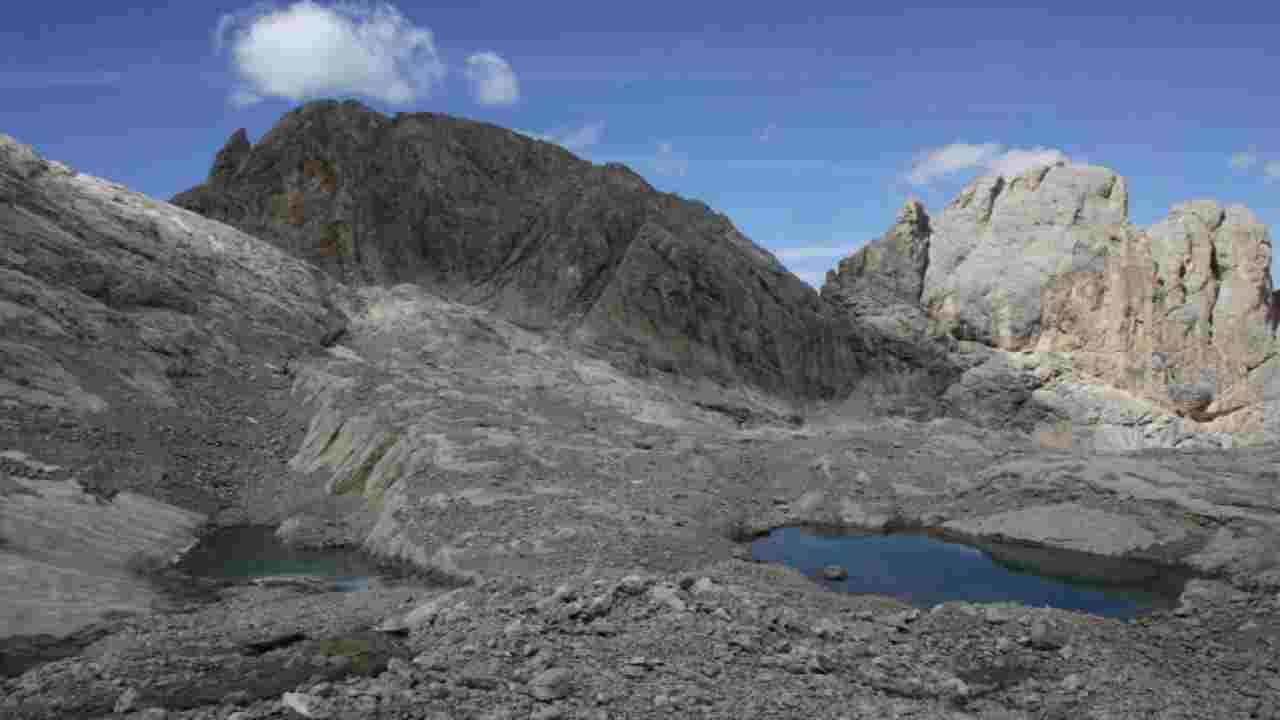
[
  {"x": 490, "y": 217},
  {"x": 1047, "y": 269}
]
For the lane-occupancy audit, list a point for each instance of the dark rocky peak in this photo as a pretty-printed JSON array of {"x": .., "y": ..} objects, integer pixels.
[
  {"x": 890, "y": 267},
  {"x": 231, "y": 156},
  {"x": 490, "y": 217}
]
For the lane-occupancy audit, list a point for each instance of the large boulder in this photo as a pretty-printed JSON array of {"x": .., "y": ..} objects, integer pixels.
[{"x": 497, "y": 219}]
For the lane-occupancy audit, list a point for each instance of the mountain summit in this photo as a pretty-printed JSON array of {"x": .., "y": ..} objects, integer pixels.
[{"x": 493, "y": 218}]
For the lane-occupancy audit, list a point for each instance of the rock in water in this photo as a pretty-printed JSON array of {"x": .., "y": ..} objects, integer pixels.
[
  {"x": 834, "y": 572},
  {"x": 492, "y": 217}
]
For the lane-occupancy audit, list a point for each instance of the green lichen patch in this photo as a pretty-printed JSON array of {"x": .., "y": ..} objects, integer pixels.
[
  {"x": 357, "y": 482},
  {"x": 337, "y": 448},
  {"x": 337, "y": 240},
  {"x": 358, "y": 650}
]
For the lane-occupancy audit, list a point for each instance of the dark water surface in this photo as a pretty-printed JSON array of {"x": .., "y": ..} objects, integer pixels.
[
  {"x": 926, "y": 570},
  {"x": 253, "y": 551}
]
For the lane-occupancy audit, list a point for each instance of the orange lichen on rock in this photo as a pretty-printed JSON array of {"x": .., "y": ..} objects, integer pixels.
[{"x": 323, "y": 170}]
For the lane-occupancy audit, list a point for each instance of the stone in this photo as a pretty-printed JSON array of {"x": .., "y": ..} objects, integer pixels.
[
  {"x": 126, "y": 701},
  {"x": 834, "y": 572},
  {"x": 1044, "y": 636},
  {"x": 307, "y": 706},
  {"x": 668, "y": 596},
  {"x": 1072, "y": 683},
  {"x": 633, "y": 585},
  {"x": 1067, "y": 525},
  {"x": 422, "y": 615},
  {"x": 551, "y": 684}
]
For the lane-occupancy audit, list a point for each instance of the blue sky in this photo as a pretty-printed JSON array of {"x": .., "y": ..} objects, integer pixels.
[{"x": 808, "y": 124}]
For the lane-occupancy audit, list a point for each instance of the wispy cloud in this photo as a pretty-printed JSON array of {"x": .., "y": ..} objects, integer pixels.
[
  {"x": 308, "y": 49},
  {"x": 813, "y": 252},
  {"x": 814, "y": 278},
  {"x": 670, "y": 161},
  {"x": 939, "y": 163},
  {"x": 1244, "y": 160},
  {"x": 576, "y": 139},
  {"x": 1271, "y": 171},
  {"x": 493, "y": 82},
  {"x": 40, "y": 79}
]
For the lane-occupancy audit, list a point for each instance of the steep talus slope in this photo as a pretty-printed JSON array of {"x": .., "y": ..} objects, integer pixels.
[
  {"x": 127, "y": 328},
  {"x": 493, "y": 218},
  {"x": 1072, "y": 320}
]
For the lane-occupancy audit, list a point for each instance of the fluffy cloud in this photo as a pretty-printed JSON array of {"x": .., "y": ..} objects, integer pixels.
[
  {"x": 994, "y": 158},
  {"x": 1244, "y": 160},
  {"x": 576, "y": 139},
  {"x": 307, "y": 49},
  {"x": 669, "y": 161},
  {"x": 493, "y": 82}
]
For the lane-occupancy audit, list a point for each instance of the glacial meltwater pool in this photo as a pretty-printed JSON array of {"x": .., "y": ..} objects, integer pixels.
[
  {"x": 926, "y": 570},
  {"x": 253, "y": 551}
]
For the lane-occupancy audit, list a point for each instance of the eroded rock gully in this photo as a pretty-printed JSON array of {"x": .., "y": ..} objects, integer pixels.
[{"x": 587, "y": 517}]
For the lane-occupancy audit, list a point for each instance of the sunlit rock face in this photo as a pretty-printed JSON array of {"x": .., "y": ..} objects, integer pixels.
[{"x": 1145, "y": 335}]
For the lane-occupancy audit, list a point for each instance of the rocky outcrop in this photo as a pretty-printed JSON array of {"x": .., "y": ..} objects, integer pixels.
[
  {"x": 881, "y": 283},
  {"x": 1172, "y": 326},
  {"x": 496, "y": 219},
  {"x": 997, "y": 243},
  {"x": 1177, "y": 315}
]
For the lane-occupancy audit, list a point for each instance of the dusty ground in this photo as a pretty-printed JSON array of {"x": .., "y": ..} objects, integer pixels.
[{"x": 599, "y": 520}]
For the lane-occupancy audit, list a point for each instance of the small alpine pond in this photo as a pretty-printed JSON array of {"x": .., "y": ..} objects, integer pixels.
[
  {"x": 926, "y": 569},
  {"x": 253, "y": 551}
]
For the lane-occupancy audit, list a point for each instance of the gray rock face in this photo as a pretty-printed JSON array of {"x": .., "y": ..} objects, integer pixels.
[
  {"x": 994, "y": 246},
  {"x": 890, "y": 268},
  {"x": 496, "y": 219},
  {"x": 156, "y": 291}
]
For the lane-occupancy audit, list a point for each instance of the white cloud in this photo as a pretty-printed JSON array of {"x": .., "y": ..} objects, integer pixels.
[
  {"x": 669, "y": 161},
  {"x": 1244, "y": 160},
  {"x": 811, "y": 253},
  {"x": 993, "y": 158},
  {"x": 241, "y": 98},
  {"x": 576, "y": 139},
  {"x": 1013, "y": 163},
  {"x": 814, "y": 278},
  {"x": 308, "y": 50},
  {"x": 493, "y": 82},
  {"x": 583, "y": 137},
  {"x": 1271, "y": 171}
]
